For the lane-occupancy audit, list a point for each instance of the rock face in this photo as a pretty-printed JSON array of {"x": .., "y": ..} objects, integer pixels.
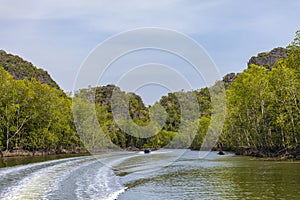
[
  {"x": 229, "y": 78},
  {"x": 266, "y": 59},
  {"x": 269, "y": 59},
  {"x": 21, "y": 69}
]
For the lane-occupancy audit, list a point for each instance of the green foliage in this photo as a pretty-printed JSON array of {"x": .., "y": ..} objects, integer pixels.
[
  {"x": 21, "y": 69},
  {"x": 296, "y": 42},
  {"x": 262, "y": 54},
  {"x": 263, "y": 109},
  {"x": 263, "y": 105},
  {"x": 135, "y": 129},
  {"x": 293, "y": 61},
  {"x": 34, "y": 116}
]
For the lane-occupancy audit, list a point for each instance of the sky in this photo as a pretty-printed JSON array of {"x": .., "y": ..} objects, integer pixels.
[{"x": 59, "y": 35}]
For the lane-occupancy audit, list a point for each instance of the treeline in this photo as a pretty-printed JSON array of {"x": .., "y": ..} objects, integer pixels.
[
  {"x": 137, "y": 130},
  {"x": 21, "y": 69},
  {"x": 262, "y": 110},
  {"x": 34, "y": 116},
  {"x": 263, "y": 104}
]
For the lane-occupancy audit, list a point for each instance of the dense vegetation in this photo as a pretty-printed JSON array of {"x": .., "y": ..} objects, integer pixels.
[
  {"x": 263, "y": 110},
  {"x": 34, "y": 116},
  {"x": 264, "y": 104},
  {"x": 20, "y": 69},
  {"x": 155, "y": 135}
]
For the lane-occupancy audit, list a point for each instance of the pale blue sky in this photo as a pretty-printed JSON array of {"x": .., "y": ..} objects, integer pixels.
[{"x": 58, "y": 35}]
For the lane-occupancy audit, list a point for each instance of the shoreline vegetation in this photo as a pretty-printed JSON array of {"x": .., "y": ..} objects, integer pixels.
[
  {"x": 26, "y": 153},
  {"x": 262, "y": 112},
  {"x": 28, "y": 159},
  {"x": 273, "y": 153},
  {"x": 268, "y": 153}
]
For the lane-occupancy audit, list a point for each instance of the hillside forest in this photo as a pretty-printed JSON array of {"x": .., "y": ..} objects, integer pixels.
[{"x": 262, "y": 111}]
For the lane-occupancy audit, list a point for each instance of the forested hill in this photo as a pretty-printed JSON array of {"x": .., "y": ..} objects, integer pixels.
[
  {"x": 35, "y": 114},
  {"x": 264, "y": 59},
  {"x": 269, "y": 59},
  {"x": 20, "y": 69},
  {"x": 262, "y": 111},
  {"x": 263, "y": 105},
  {"x": 125, "y": 135}
]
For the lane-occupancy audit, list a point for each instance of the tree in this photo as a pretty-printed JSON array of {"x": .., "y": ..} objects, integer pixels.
[{"x": 247, "y": 98}]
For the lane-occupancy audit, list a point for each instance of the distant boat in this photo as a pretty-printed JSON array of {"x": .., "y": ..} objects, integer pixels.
[{"x": 146, "y": 151}]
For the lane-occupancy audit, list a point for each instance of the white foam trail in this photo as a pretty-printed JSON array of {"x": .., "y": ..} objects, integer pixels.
[
  {"x": 43, "y": 180},
  {"x": 56, "y": 182},
  {"x": 104, "y": 185},
  {"x": 35, "y": 185},
  {"x": 114, "y": 195},
  {"x": 8, "y": 170},
  {"x": 101, "y": 186},
  {"x": 155, "y": 152},
  {"x": 161, "y": 152}
]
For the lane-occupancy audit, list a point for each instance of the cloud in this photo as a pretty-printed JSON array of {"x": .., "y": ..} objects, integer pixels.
[
  {"x": 57, "y": 35},
  {"x": 115, "y": 16},
  {"x": 200, "y": 17}
]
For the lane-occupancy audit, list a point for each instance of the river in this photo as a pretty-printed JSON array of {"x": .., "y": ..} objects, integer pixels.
[{"x": 164, "y": 174}]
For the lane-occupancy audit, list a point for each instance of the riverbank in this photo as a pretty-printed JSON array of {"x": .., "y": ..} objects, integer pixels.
[
  {"x": 269, "y": 152},
  {"x": 259, "y": 152},
  {"x": 21, "y": 157},
  {"x": 22, "y": 160},
  {"x": 26, "y": 153}
]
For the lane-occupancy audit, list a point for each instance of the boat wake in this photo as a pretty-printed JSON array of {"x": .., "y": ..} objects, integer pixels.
[{"x": 90, "y": 177}]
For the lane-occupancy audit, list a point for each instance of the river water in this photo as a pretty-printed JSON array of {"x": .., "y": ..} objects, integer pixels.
[{"x": 164, "y": 174}]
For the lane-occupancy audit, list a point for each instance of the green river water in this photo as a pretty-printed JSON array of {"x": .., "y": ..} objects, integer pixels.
[{"x": 165, "y": 174}]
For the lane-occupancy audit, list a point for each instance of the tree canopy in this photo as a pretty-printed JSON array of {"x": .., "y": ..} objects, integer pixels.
[{"x": 263, "y": 110}]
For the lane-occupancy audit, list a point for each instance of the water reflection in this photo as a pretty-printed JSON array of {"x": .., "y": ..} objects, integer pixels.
[{"x": 218, "y": 177}]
